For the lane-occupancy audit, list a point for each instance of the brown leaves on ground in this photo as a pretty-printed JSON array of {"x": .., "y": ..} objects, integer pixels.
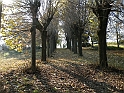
[{"x": 64, "y": 72}]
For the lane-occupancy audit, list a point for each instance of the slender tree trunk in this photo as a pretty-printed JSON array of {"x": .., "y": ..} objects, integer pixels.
[
  {"x": 72, "y": 49},
  {"x": 68, "y": 43},
  {"x": 117, "y": 38},
  {"x": 80, "y": 44},
  {"x": 54, "y": 43},
  {"x": 48, "y": 47},
  {"x": 92, "y": 45},
  {"x": 34, "y": 6},
  {"x": 33, "y": 39},
  {"x": 44, "y": 35},
  {"x": 75, "y": 45}
]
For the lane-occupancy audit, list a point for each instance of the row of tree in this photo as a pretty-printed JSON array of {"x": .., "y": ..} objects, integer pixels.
[
  {"x": 23, "y": 18},
  {"x": 79, "y": 18},
  {"x": 91, "y": 17}
]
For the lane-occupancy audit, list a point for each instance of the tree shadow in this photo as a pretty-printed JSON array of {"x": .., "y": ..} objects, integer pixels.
[
  {"x": 14, "y": 82},
  {"x": 98, "y": 87},
  {"x": 45, "y": 81}
]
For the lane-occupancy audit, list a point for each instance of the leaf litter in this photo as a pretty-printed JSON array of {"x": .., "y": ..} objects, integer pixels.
[{"x": 64, "y": 72}]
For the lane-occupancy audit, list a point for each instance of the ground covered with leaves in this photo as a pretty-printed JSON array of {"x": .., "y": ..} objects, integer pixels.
[{"x": 64, "y": 72}]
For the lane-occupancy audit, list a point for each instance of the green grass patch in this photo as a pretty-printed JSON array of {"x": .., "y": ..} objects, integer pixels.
[
  {"x": 110, "y": 47},
  {"x": 114, "y": 48}
]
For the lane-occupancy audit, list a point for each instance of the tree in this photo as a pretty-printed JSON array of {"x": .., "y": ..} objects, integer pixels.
[
  {"x": 102, "y": 11},
  {"x": 34, "y": 7},
  {"x": 30, "y": 7},
  {"x": 52, "y": 37},
  {"x": 0, "y": 12},
  {"x": 48, "y": 12},
  {"x": 76, "y": 19},
  {"x": 69, "y": 19},
  {"x": 115, "y": 25},
  {"x": 15, "y": 27},
  {"x": 51, "y": 9}
]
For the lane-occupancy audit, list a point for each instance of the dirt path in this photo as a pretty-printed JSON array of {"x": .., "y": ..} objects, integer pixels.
[{"x": 64, "y": 72}]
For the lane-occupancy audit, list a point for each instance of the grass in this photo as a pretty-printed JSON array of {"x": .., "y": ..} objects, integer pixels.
[
  {"x": 115, "y": 55},
  {"x": 113, "y": 44},
  {"x": 110, "y": 47},
  {"x": 116, "y": 58}
]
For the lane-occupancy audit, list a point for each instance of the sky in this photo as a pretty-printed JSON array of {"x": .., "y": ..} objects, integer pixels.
[
  {"x": 7, "y": 1},
  {"x": 1, "y": 41}
]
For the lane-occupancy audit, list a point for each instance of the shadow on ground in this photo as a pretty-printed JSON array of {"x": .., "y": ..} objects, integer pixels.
[
  {"x": 62, "y": 74},
  {"x": 97, "y": 87}
]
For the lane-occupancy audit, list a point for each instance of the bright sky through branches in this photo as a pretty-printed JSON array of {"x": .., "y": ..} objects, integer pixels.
[{"x": 7, "y": 2}]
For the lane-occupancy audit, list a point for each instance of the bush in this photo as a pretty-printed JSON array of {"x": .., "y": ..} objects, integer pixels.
[
  {"x": 86, "y": 44},
  {"x": 121, "y": 41}
]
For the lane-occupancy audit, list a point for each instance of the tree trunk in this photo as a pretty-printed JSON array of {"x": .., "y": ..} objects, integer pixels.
[
  {"x": 44, "y": 35},
  {"x": 68, "y": 43},
  {"x": 92, "y": 45},
  {"x": 102, "y": 42},
  {"x": 102, "y": 51},
  {"x": 53, "y": 43},
  {"x": 72, "y": 49},
  {"x": 75, "y": 45},
  {"x": 33, "y": 39},
  {"x": 117, "y": 38},
  {"x": 102, "y": 11},
  {"x": 80, "y": 44},
  {"x": 48, "y": 47}
]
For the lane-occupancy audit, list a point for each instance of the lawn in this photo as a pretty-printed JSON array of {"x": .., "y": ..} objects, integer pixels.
[
  {"x": 115, "y": 55},
  {"x": 64, "y": 72}
]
